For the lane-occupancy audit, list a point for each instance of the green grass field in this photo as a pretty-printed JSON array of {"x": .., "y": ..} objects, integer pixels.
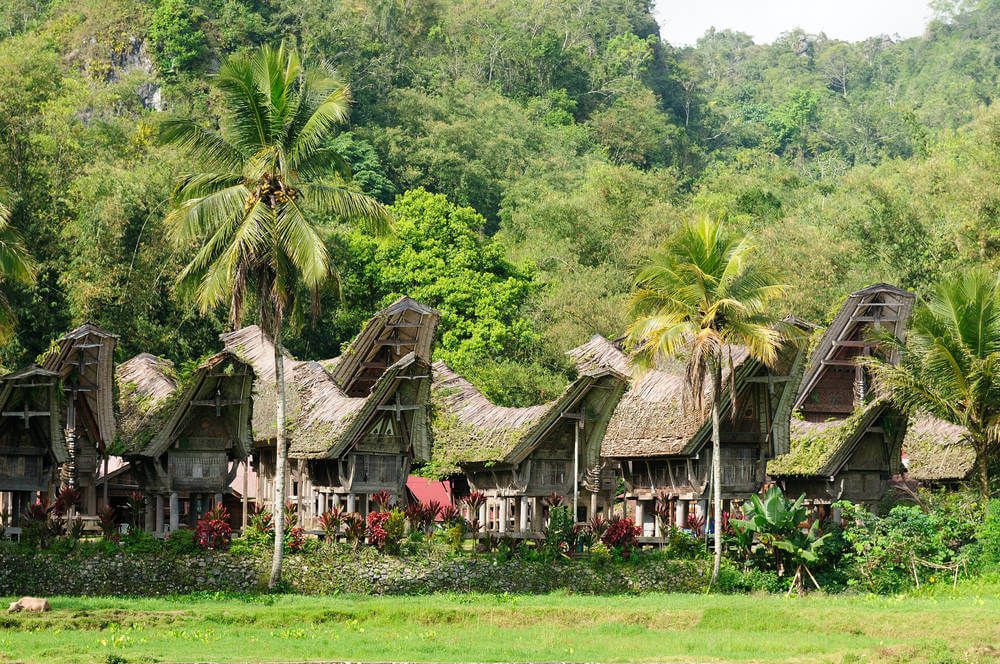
[{"x": 945, "y": 626}]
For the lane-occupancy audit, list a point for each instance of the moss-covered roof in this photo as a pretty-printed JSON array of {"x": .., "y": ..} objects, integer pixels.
[
  {"x": 937, "y": 451},
  {"x": 652, "y": 418},
  {"x": 819, "y": 449},
  {"x": 470, "y": 429}
]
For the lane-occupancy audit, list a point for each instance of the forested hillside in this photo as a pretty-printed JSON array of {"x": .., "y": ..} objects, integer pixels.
[{"x": 532, "y": 152}]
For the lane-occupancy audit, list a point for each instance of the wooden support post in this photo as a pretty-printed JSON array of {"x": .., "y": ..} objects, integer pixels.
[
  {"x": 336, "y": 500},
  {"x": 593, "y": 505},
  {"x": 351, "y": 503},
  {"x": 482, "y": 516},
  {"x": 680, "y": 513},
  {"x": 837, "y": 515},
  {"x": 640, "y": 515},
  {"x": 244, "y": 500},
  {"x": 150, "y": 518},
  {"x": 175, "y": 511},
  {"x": 701, "y": 510},
  {"x": 218, "y": 500},
  {"x": 523, "y": 515},
  {"x": 159, "y": 514},
  {"x": 502, "y": 525},
  {"x": 536, "y": 522}
]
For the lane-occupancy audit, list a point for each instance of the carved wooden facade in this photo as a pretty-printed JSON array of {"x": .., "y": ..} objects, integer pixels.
[
  {"x": 189, "y": 445},
  {"x": 84, "y": 361},
  {"x": 663, "y": 448},
  {"x": 846, "y": 443},
  {"x": 519, "y": 456},
  {"x": 31, "y": 438},
  {"x": 361, "y": 420}
]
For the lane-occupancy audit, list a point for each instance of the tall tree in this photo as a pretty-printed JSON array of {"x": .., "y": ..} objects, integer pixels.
[
  {"x": 16, "y": 265},
  {"x": 950, "y": 362},
  {"x": 703, "y": 293},
  {"x": 267, "y": 180}
]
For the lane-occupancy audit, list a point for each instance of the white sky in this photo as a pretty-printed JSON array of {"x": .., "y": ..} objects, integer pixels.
[{"x": 682, "y": 22}]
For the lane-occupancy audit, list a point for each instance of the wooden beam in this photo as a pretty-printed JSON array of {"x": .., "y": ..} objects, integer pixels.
[
  {"x": 853, "y": 344},
  {"x": 395, "y": 342},
  {"x": 398, "y": 408},
  {"x": 839, "y": 363},
  {"x": 872, "y": 319}
]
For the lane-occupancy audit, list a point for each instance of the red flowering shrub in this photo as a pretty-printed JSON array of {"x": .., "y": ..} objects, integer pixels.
[
  {"x": 450, "y": 514},
  {"x": 622, "y": 534},
  {"x": 295, "y": 539},
  {"x": 376, "y": 528},
  {"x": 354, "y": 528},
  {"x": 213, "y": 530},
  {"x": 107, "y": 519}
]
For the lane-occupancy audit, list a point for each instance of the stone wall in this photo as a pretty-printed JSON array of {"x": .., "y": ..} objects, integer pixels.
[{"x": 330, "y": 571}]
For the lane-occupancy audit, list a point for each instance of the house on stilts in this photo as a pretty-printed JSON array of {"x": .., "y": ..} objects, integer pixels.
[
  {"x": 183, "y": 441},
  {"x": 84, "y": 361},
  {"x": 517, "y": 457},
  {"x": 32, "y": 446},
  {"x": 662, "y": 446},
  {"x": 357, "y": 422},
  {"x": 846, "y": 440}
]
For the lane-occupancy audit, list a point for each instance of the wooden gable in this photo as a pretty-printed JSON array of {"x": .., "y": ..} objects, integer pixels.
[{"x": 31, "y": 438}]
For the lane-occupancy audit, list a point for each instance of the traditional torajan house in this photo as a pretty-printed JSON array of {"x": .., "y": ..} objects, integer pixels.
[
  {"x": 84, "y": 361},
  {"x": 518, "y": 456},
  {"x": 845, "y": 443},
  {"x": 184, "y": 442},
  {"x": 357, "y": 422},
  {"x": 32, "y": 446},
  {"x": 663, "y": 447}
]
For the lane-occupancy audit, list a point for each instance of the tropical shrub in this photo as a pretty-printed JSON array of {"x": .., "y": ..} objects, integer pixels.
[
  {"x": 213, "y": 530},
  {"x": 354, "y": 528},
  {"x": 107, "y": 519},
  {"x": 181, "y": 542},
  {"x": 622, "y": 535},
  {"x": 376, "y": 529},
  {"x": 395, "y": 531},
  {"x": 329, "y": 523},
  {"x": 988, "y": 536},
  {"x": 775, "y": 525},
  {"x": 295, "y": 539},
  {"x": 136, "y": 505},
  {"x": 381, "y": 499},
  {"x": 891, "y": 553},
  {"x": 560, "y": 535}
]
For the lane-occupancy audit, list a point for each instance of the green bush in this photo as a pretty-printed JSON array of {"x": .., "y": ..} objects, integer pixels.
[
  {"x": 395, "y": 531},
  {"x": 559, "y": 536},
  {"x": 139, "y": 542},
  {"x": 988, "y": 536},
  {"x": 181, "y": 543},
  {"x": 886, "y": 551}
]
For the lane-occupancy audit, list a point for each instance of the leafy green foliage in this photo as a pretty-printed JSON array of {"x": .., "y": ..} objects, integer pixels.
[{"x": 174, "y": 34}]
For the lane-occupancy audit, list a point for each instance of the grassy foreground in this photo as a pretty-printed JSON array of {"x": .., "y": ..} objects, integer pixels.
[{"x": 945, "y": 626}]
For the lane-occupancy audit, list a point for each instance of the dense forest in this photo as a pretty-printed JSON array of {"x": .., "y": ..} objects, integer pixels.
[{"x": 532, "y": 152}]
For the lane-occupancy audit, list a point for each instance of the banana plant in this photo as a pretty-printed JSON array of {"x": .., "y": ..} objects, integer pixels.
[{"x": 773, "y": 522}]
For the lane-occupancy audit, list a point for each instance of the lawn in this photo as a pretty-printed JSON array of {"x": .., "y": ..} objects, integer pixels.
[{"x": 941, "y": 626}]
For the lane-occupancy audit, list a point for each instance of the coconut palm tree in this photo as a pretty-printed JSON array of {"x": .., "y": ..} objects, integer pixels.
[
  {"x": 263, "y": 184},
  {"x": 949, "y": 364},
  {"x": 16, "y": 265},
  {"x": 700, "y": 295}
]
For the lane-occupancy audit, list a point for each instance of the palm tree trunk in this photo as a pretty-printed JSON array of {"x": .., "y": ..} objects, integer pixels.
[
  {"x": 281, "y": 465},
  {"x": 983, "y": 466},
  {"x": 716, "y": 467}
]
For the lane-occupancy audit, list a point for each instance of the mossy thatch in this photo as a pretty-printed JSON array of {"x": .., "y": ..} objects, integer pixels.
[
  {"x": 818, "y": 449},
  {"x": 937, "y": 451}
]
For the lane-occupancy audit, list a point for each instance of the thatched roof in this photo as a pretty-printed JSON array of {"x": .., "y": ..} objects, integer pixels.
[
  {"x": 86, "y": 356},
  {"x": 323, "y": 420},
  {"x": 879, "y": 301},
  {"x": 144, "y": 382},
  {"x": 406, "y": 326},
  {"x": 937, "y": 451},
  {"x": 154, "y": 406},
  {"x": 251, "y": 345},
  {"x": 470, "y": 429},
  {"x": 820, "y": 449},
  {"x": 652, "y": 418},
  {"x": 45, "y": 386},
  {"x": 331, "y": 421}
]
